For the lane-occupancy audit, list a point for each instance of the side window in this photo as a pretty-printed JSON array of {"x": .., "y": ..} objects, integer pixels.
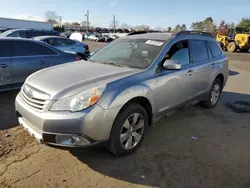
[
  {"x": 24, "y": 48},
  {"x": 5, "y": 49},
  {"x": 29, "y": 34},
  {"x": 64, "y": 42},
  {"x": 216, "y": 51},
  {"x": 51, "y": 41},
  {"x": 198, "y": 50},
  {"x": 21, "y": 34},
  {"x": 14, "y": 34},
  {"x": 210, "y": 55},
  {"x": 180, "y": 52}
]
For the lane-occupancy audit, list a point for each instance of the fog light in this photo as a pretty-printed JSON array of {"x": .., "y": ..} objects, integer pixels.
[{"x": 71, "y": 140}]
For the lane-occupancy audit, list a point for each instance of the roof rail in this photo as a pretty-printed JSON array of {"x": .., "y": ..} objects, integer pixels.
[{"x": 194, "y": 33}]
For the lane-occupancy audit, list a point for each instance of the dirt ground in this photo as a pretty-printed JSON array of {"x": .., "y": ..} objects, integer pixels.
[{"x": 190, "y": 149}]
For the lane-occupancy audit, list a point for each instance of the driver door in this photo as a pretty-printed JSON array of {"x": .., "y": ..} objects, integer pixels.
[{"x": 174, "y": 87}]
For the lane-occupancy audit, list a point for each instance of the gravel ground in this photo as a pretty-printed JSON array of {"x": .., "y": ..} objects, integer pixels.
[{"x": 192, "y": 148}]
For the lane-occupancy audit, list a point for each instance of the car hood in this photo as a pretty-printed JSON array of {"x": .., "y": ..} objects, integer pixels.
[{"x": 68, "y": 79}]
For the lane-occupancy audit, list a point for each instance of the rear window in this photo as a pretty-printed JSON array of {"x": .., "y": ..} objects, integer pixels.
[
  {"x": 198, "y": 50},
  {"x": 216, "y": 51},
  {"x": 5, "y": 49},
  {"x": 25, "y": 48}
]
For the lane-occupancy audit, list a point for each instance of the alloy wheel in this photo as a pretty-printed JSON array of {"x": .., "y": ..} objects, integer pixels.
[{"x": 132, "y": 131}]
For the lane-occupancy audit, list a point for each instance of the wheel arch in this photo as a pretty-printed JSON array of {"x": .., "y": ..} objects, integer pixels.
[{"x": 144, "y": 102}]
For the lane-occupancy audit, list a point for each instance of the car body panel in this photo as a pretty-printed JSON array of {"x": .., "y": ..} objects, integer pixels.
[
  {"x": 5, "y": 70},
  {"x": 86, "y": 75}
]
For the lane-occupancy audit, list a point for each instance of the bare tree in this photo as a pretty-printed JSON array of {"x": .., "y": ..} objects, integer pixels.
[
  {"x": 51, "y": 16},
  {"x": 124, "y": 26},
  {"x": 142, "y": 27},
  {"x": 85, "y": 24},
  {"x": 159, "y": 28}
]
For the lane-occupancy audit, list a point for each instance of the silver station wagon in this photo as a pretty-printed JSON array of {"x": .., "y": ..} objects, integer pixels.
[{"x": 122, "y": 89}]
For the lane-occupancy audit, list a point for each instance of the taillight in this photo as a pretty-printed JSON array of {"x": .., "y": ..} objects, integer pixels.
[{"x": 77, "y": 58}]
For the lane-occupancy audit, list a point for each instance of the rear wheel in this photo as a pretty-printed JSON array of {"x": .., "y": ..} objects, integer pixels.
[
  {"x": 128, "y": 130},
  {"x": 214, "y": 95},
  {"x": 232, "y": 47}
]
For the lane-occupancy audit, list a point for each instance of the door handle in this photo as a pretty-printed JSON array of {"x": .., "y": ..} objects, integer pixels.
[
  {"x": 3, "y": 66},
  {"x": 42, "y": 63}
]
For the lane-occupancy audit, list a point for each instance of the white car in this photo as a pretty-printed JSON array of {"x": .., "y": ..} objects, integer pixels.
[{"x": 93, "y": 37}]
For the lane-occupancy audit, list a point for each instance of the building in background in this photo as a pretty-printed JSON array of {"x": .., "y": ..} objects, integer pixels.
[{"x": 10, "y": 23}]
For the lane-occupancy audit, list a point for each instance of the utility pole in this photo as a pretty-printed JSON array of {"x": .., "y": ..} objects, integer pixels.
[
  {"x": 60, "y": 19},
  {"x": 114, "y": 23},
  {"x": 87, "y": 15}
]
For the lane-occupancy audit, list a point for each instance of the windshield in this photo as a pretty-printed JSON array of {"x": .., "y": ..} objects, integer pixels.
[
  {"x": 134, "y": 53},
  {"x": 5, "y": 34}
]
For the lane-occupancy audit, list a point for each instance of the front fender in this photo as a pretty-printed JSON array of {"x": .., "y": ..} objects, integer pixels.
[{"x": 117, "y": 98}]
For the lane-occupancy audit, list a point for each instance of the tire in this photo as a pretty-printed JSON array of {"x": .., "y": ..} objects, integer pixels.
[
  {"x": 209, "y": 103},
  {"x": 121, "y": 127},
  {"x": 231, "y": 47}
]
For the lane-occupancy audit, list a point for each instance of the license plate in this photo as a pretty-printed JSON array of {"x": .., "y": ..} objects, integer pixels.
[{"x": 30, "y": 131}]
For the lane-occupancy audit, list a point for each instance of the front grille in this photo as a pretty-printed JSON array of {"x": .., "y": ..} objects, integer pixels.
[
  {"x": 248, "y": 39},
  {"x": 34, "y": 98}
]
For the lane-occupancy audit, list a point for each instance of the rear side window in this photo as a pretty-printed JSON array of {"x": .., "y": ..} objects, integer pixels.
[
  {"x": 29, "y": 34},
  {"x": 64, "y": 42},
  {"x": 216, "y": 51},
  {"x": 5, "y": 49},
  {"x": 25, "y": 48},
  {"x": 198, "y": 50}
]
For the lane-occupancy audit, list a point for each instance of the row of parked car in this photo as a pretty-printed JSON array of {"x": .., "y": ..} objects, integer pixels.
[
  {"x": 52, "y": 38},
  {"x": 98, "y": 37}
]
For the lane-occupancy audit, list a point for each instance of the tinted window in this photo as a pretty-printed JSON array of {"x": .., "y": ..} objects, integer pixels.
[
  {"x": 216, "y": 51},
  {"x": 209, "y": 51},
  {"x": 29, "y": 34},
  {"x": 5, "y": 49},
  {"x": 199, "y": 50},
  {"x": 24, "y": 48},
  {"x": 64, "y": 42}
]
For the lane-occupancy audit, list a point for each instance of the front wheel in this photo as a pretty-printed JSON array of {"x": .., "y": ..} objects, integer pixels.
[
  {"x": 214, "y": 95},
  {"x": 231, "y": 47},
  {"x": 128, "y": 130}
]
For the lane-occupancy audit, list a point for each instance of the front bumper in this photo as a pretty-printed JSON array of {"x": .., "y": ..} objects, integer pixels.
[{"x": 83, "y": 128}]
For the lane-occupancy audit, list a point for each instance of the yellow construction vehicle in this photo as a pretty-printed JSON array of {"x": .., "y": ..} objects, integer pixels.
[{"x": 237, "y": 38}]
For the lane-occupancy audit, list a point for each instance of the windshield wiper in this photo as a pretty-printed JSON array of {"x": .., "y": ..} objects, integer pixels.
[{"x": 115, "y": 64}]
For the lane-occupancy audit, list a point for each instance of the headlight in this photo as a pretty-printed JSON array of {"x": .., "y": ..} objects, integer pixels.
[{"x": 79, "y": 101}]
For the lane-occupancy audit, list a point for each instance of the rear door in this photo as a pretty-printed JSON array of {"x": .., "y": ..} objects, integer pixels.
[
  {"x": 201, "y": 69},
  {"x": 5, "y": 62},
  {"x": 28, "y": 57}
]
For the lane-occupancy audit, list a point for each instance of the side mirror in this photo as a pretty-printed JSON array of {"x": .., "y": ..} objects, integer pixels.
[{"x": 172, "y": 64}]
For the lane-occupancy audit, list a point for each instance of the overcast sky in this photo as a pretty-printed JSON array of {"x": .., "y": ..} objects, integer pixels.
[{"x": 155, "y": 13}]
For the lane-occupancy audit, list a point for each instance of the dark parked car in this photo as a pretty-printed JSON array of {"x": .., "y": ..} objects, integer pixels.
[
  {"x": 21, "y": 57},
  {"x": 28, "y": 33}
]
